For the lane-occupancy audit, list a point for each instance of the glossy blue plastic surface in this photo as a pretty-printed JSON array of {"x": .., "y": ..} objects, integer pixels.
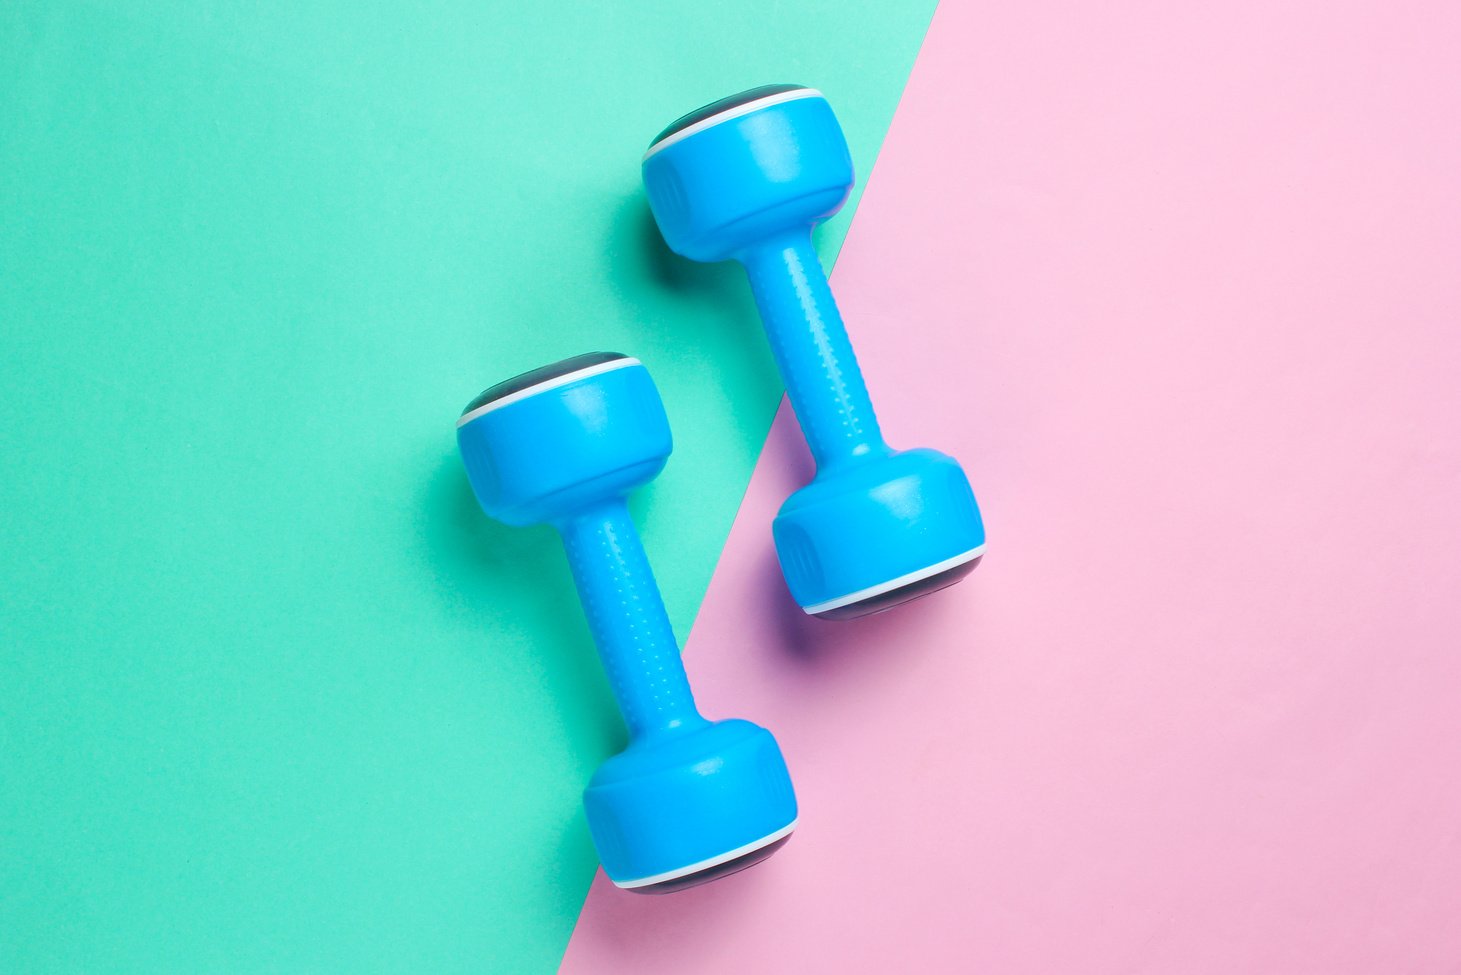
[
  {"x": 876, "y": 526},
  {"x": 687, "y": 792}
]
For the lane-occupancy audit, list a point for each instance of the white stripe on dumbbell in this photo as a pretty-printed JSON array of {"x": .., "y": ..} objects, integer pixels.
[
  {"x": 547, "y": 384},
  {"x": 714, "y": 861},
  {"x": 730, "y": 113},
  {"x": 891, "y": 584}
]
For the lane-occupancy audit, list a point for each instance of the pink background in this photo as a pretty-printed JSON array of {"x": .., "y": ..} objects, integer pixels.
[{"x": 1179, "y": 284}]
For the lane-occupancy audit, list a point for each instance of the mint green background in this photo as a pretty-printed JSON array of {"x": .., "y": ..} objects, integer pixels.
[{"x": 274, "y": 695}]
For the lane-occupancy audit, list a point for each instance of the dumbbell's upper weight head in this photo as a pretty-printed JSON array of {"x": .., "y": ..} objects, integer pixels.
[
  {"x": 743, "y": 168},
  {"x": 541, "y": 445}
]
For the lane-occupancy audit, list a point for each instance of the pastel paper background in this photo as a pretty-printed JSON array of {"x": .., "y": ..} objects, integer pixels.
[
  {"x": 275, "y": 695},
  {"x": 1179, "y": 283}
]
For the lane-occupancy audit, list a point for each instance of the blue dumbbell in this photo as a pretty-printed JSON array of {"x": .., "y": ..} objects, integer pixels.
[
  {"x": 747, "y": 178},
  {"x": 689, "y": 800}
]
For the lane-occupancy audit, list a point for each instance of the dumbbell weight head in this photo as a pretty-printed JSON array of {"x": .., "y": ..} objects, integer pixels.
[
  {"x": 689, "y": 800},
  {"x": 676, "y": 810},
  {"x": 865, "y": 537},
  {"x": 542, "y": 444},
  {"x": 734, "y": 172}
]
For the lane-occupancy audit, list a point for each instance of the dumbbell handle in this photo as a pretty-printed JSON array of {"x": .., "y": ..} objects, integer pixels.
[
  {"x": 627, "y": 618},
  {"x": 811, "y": 347}
]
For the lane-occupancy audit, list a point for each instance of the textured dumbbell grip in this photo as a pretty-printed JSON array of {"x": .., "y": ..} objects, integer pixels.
[
  {"x": 812, "y": 349},
  {"x": 628, "y": 619}
]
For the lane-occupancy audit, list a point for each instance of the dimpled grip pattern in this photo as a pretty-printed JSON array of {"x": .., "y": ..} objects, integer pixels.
[
  {"x": 812, "y": 349},
  {"x": 628, "y": 619}
]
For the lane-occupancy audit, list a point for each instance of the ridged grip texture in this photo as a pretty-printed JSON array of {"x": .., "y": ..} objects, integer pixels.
[
  {"x": 811, "y": 347},
  {"x": 628, "y": 619}
]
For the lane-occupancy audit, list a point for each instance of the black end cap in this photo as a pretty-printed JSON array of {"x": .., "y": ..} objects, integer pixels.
[
  {"x": 885, "y": 601},
  {"x": 715, "y": 108},
  {"x": 714, "y": 873},
  {"x": 540, "y": 375}
]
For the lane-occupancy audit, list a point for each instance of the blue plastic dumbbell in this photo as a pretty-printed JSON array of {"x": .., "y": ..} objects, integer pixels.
[
  {"x": 747, "y": 178},
  {"x": 689, "y": 800}
]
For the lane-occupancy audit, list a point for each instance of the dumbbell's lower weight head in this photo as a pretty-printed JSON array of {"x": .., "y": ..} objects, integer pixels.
[
  {"x": 740, "y": 169},
  {"x": 678, "y": 810},
  {"x": 869, "y": 536},
  {"x": 541, "y": 444}
]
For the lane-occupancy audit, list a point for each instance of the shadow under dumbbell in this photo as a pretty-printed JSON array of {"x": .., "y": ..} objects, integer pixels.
[
  {"x": 701, "y": 294},
  {"x": 832, "y": 647},
  {"x": 642, "y": 252}
]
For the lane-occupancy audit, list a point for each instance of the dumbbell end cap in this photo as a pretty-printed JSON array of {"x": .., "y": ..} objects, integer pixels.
[
  {"x": 730, "y": 106},
  {"x": 542, "y": 379},
  {"x": 697, "y": 874},
  {"x": 882, "y": 598}
]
